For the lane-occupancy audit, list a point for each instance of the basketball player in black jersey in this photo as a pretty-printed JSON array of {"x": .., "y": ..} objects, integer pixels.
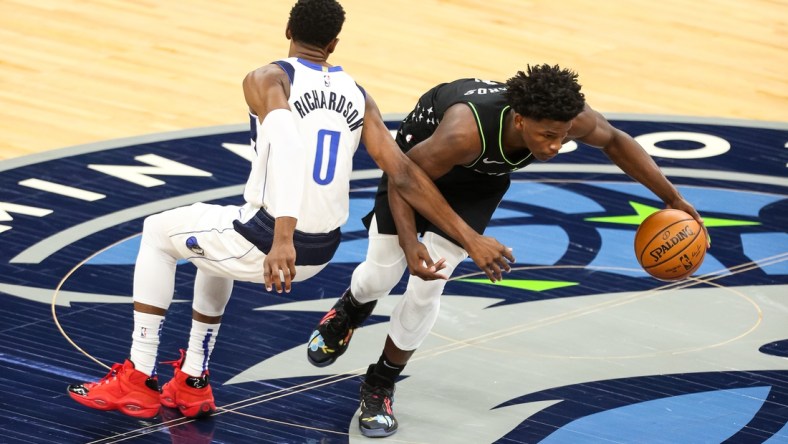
[{"x": 468, "y": 136}]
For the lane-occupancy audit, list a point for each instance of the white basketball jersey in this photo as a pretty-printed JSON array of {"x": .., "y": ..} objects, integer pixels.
[{"x": 328, "y": 108}]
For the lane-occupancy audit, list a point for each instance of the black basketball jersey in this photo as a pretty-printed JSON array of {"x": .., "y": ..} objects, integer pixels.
[
  {"x": 487, "y": 101},
  {"x": 473, "y": 190}
]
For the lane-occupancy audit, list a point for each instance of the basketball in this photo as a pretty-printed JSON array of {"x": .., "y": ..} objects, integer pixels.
[{"x": 670, "y": 245}]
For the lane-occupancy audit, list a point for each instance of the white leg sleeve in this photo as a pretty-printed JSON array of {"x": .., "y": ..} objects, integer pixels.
[
  {"x": 211, "y": 293},
  {"x": 414, "y": 316},
  {"x": 381, "y": 270},
  {"x": 154, "y": 271}
]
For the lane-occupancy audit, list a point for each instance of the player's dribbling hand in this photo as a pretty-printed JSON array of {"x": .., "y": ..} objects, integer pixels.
[
  {"x": 683, "y": 205},
  {"x": 420, "y": 263},
  {"x": 491, "y": 256}
]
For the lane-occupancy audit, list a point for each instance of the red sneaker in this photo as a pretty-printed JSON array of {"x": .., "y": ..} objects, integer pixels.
[
  {"x": 191, "y": 395},
  {"x": 124, "y": 388}
]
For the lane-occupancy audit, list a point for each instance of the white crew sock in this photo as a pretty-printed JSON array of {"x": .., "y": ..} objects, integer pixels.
[
  {"x": 145, "y": 341},
  {"x": 201, "y": 342}
]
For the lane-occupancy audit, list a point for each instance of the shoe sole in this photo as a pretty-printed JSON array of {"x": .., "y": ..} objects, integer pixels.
[
  {"x": 376, "y": 433},
  {"x": 138, "y": 412},
  {"x": 325, "y": 363},
  {"x": 204, "y": 409},
  {"x": 134, "y": 410}
]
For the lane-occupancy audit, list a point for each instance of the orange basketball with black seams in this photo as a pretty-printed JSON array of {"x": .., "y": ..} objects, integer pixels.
[{"x": 670, "y": 245}]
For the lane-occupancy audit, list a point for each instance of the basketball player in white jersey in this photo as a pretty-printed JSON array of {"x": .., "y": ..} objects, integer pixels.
[{"x": 307, "y": 119}]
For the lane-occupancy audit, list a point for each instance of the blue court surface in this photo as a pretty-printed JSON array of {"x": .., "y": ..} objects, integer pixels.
[{"x": 576, "y": 345}]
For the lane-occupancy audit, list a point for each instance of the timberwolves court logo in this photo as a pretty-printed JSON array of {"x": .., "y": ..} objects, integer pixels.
[{"x": 577, "y": 344}]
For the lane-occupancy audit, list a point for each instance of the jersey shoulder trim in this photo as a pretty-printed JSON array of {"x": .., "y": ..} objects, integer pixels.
[
  {"x": 287, "y": 68},
  {"x": 481, "y": 134},
  {"x": 317, "y": 67}
]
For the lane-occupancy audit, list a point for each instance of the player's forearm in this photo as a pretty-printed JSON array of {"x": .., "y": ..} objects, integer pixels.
[
  {"x": 422, "y": 195},
  {"x": 404, "y": 217},
  {"x": 284, "y": 229},
  {"x": 637, "y": 164}
]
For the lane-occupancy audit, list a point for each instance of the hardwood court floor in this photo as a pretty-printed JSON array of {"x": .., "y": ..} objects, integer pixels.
[{"x": 75, "y": 72}]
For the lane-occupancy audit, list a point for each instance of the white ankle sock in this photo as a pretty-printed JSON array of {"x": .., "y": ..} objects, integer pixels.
[
  {"x": 145, "y": 341},
  {"x": 201, "y": 342}
]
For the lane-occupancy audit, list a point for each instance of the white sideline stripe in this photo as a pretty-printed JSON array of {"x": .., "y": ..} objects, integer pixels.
[{"x": 63, "y": 190}]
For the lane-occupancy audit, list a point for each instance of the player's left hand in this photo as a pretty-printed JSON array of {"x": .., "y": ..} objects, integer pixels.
[
  {"x": 491, "y": 256},
  {"x": 279, "y": 267},
  {"x": 683, "y": 205},
  {"x": 420, "y": 263}
]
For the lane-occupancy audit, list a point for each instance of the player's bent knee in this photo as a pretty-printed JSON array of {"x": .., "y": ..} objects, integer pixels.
[
  {"x": 154, "y": 228},
  {"x": 412, "y": 321},
  {"x": 152, "y": 224},
  {"x": 410, "y": 335}
]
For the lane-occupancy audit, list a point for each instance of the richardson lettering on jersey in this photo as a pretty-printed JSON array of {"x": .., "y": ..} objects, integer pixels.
[{"x": 313, "y": 100}]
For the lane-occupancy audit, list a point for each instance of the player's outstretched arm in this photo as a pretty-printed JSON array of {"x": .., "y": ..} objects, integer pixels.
[{"x": 593, "y": 129}]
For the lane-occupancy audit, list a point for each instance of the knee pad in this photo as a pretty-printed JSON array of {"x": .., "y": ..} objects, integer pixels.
[
  {"x": 415, "y": 315},
  {"x": 211, "y": 294}
]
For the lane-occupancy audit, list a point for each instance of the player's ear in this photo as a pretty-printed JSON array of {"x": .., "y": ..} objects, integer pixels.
[
  {"x": 519, "y": 121},
  {"x": 288, "y": 34},
  {"x": 332, "y": 46}
]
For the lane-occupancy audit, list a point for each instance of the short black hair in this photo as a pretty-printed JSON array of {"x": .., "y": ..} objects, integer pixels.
[
  {"x": 545, "y": 92},
  {"x": 316, "y": 22}
]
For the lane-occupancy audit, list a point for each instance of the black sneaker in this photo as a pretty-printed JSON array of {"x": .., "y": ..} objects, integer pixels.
[
  {"x": 377, "y": 397},
  {"x": 332, "y": 335}
]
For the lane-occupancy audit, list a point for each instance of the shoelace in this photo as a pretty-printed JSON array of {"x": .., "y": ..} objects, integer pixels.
[
  {"x": 178, "y": 362},
  {"x": 375, "y": 397},
  {"x": 339, "y": 323},
  {"x": 193, "y": 381},
  {"x": 112, "y": 375}
]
